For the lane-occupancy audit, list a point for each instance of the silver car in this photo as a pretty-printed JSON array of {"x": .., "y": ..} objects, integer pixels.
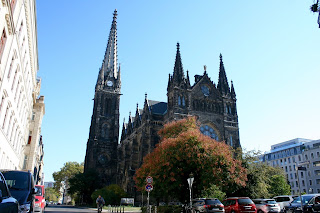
[
  {"x": 207, "y": 205},
  {"x": 266, "y": 205}
]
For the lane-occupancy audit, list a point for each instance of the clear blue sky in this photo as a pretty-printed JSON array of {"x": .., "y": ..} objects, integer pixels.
[{"x": 271, "y": 51}]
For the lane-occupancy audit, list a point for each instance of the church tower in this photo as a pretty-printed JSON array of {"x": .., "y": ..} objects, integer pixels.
[
  {"x": 230, "y": 116},
  {"x": 101, "y": 154},
  {"x": 178, "y": 91}
]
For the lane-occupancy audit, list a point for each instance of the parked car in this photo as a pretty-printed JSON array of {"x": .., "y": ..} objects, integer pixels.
[
  {"x": 283, "y": 200},
  {"x": 8, "y": 204},
  {"x": 239, "y": 205},
  {"x": 266, "y": 205},
  {"x": 40, "y": 201},
  {"x": 21, "y": 186},
  {"x": 207, "y": 205},
  {"x": 295, "y": 205},
  {"x": 314, "y": 204}
]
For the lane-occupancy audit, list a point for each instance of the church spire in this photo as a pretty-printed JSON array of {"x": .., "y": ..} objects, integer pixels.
[
  {"x": 109, "y": 66},
  {"x": 178, "y": 75},
  {"x": 223, "y": 85}
]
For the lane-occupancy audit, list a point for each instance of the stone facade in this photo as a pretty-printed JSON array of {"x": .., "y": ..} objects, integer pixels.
[
  {"x": 20, "y": 99},
  {"x": 213, "y": 105}
]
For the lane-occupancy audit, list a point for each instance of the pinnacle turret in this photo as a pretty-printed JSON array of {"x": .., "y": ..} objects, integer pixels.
[
  {"x": 223, "y": 85},
  {"x": 178, "y": 74},
  {"x": 233, "y": 93}
]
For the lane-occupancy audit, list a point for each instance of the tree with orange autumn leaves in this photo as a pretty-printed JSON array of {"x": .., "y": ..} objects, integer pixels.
[{"x": 183, "y": 149}]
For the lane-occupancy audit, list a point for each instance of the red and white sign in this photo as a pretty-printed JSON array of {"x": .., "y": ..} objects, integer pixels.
[
  {"x": 149, "y": 180},
  {"x": 149, "y": 187}
]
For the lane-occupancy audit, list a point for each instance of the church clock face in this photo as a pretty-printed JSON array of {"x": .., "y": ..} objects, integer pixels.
[
  {"x": 205, "y": 90},
  {"x": 209, "y": 131},
  {"x": 109, "y": 83}
]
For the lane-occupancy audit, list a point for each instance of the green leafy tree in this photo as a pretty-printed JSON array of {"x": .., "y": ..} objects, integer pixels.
[
  {"x": 279, "y": 186},
  {"x": 262, "y": 178},
  {"x": 82, "y": 185},
  {"x": 66, "y": 172},
  {"x": 183, "y": 149},
  {"x": 51, "y": 194},
  {"x": 112, "y": 194},
  {"x": 213, "y": 192}
]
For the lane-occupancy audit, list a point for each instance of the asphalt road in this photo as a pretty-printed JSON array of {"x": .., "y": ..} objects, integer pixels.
[{"x": 70, "y": 209}]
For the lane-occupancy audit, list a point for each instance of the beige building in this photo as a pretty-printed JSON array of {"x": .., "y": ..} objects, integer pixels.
[{"x": 21, "y": 106}]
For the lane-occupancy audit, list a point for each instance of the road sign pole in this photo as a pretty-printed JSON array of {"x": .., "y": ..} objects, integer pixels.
[{"x": 148, "y": 208}]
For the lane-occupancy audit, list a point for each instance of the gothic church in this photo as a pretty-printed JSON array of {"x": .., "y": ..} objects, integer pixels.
[{"x": 213, "y": 105}]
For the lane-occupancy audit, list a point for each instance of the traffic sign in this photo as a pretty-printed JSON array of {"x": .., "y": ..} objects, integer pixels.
[
  {"x": 149, "y": 187},
  {"x": 149, "y": 180}
]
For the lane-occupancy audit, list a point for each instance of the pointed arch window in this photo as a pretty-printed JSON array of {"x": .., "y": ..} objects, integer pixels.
[
  {"x": 179, "y": 100},
  {"x": 183, "y": 101}
]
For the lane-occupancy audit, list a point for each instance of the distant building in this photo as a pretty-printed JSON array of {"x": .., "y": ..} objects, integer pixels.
[
  {"x": 48, "y": 185},
  {"x": 289, "y": 155},
  {"x": 21, "y": 106},
  {"x": 214, "y": 106}
]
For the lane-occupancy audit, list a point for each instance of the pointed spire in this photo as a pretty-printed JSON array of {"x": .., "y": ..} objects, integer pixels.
[
  {"x": 233, "y": 93},
  {"x": 205, "y": 69},
  {"x": 223, "y": 85},
  {"x": 188, "y": 79},
  {"x": 178, "y": 75},
  {"x": 111, "y": 54}
]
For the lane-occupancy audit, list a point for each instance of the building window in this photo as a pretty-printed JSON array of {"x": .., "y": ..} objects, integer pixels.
[
  {"x": 306, "y": 157},
  {"x": 33, "y": 115},
  {"x": 291, "y": 176},
  {"x": 10, "y": 66},
  {"x": 318, "y": 181},
  {"x": 25, "y": 162},
  {"x": 5, "y": 118},
  {"x": 13, "y": 4},
  {"x": 2, "y": 42},
  {"x": 301, "y": 174},
  {"x": 293, "y": 159},
  {"x": 316, "y": 163},
  {"x": 318, "y": 154},
  {"x": 30, "y": 137},
  {"x": 289, "y": 160},
  {"x": 299, "y": 158},
  {"x": 295, "y": 175},
  {"x": 297, "y": 184},
  {"x": 209, "y": 131},
  {"x": 231, "y": 142},
  {"x": 317, "y": 172},
  {"x": 179, "y": 100},
  {"x": 20, "y": 30},
  {"x": 303, "y": 184},
  {"x": 310, "y": 182},
  {"x": 290, "y": 168}
]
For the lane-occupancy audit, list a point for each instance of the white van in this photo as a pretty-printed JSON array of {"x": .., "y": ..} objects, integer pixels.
[{"x": 283, "y": 200}]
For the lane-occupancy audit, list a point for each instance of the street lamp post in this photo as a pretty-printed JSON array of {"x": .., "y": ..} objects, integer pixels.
[{"x": 190, "y": 182}]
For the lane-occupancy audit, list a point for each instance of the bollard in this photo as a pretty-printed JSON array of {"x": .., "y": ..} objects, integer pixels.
[{"x": 155, "y": 209}]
